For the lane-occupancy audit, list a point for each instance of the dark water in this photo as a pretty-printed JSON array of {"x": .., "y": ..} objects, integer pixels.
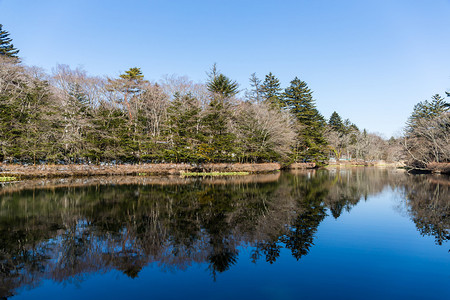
[{"x": 331, "y": 234}]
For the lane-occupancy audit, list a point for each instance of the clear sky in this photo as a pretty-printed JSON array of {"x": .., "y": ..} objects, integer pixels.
[{"x": 370, "y": 60}]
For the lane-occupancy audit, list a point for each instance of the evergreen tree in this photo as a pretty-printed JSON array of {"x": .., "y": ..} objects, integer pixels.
[
  {"x": 349, "y": 127},
  {"x": 183, "y": 120},
  {"x": 79, "y": 96},
  {"x": 6, "y": 48},
  {"x": 112, "y": 138},
  {"x": 221, "y": 85},
  {"x": 217, "y": 140},
  {"x": 427, "y": 109},
  {"x": 129, "y": 85},
  {"x": 336, "y": 123},
  {"x": 311, "y": 142},
  {"x": 29, "y": 122},
  {"x": 271, "y": 91},
  {"x": 133, "y": 74}
]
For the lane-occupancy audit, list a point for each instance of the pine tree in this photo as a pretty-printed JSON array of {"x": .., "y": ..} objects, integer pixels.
[
  {"x": 336, "y": 123},
  {"x": 311, "y": 142},
  {"x": 6, "y": 48},
  {"x": 220, "y": 85},
  {"x": 129, "y": 85},
  {"x": 217, "y": 140},
  {"x": 271, "y": 91},
  {"x": 349, "y": 127},
  {"x": 427, "y": 109},
  {"x": 183, "y": 116},
  {"x": 133, "y": 74}
]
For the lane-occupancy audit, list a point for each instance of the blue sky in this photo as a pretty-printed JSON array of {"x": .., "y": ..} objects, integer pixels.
[{"x": 370, "y": 60}]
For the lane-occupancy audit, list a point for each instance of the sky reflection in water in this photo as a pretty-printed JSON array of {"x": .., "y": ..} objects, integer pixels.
[{"x": 342, "y": 234}]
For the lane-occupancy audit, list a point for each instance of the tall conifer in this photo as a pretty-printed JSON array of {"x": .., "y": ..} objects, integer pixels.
[
  {"x": 426, "y": 110},
  {"x": 6, "y": 48},
  {"x": 183, "y": 117},
  {"x": 311, "y": 142},
  {"x": 336, "y": 122},
  {"x": 271, "y": 91}
]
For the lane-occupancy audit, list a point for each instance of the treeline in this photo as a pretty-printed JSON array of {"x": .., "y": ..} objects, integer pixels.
[
  {"x": 427, "y": 134},
  {"x": 70, "y": 117}
]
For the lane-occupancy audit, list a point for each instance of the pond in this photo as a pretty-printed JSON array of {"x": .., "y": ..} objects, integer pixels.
[{"x": 354, "y": 233}]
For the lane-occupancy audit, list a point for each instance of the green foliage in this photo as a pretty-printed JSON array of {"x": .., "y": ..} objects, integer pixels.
[
  {"x": 89, "y": 120},
  {"x": 6, "y": 48},
  {"x": 336, "y": 122},
  {"x": 27, "y": 127},
  {"x": 221, "y": 85},
  {"x": 271, "y": 91},
  {"x": 183, "y": 129},
  {"x": 79, "y": 96},
  {"x": 217, "y": 141},
  {"x": 341, "y": 135},
  {"x": 427, "y": 110},
  {"x": 311, "y": 144},
  {"x": 133, "y": 74}
]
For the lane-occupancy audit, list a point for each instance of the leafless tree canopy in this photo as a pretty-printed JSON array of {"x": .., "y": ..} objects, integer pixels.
[{"x": 429, "y": 140}]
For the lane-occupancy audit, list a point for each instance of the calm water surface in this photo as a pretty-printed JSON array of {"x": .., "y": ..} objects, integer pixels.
[{"x": 330, "y": 234}]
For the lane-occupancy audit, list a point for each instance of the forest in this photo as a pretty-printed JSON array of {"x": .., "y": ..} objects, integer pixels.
[{"x": 69, "y": 116}]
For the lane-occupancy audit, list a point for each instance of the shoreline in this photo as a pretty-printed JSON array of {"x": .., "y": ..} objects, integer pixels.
[
  {"x": 21, "y": 172},
  {"x": 360, "y": 163},
  {"x": 61, "y": 171}
]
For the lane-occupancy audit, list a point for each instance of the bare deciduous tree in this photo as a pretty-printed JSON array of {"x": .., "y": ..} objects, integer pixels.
[
  {"x": 429, "y": 140},
  {"x": 182, "y": 85},
  {"x": 264, "y": 131}
]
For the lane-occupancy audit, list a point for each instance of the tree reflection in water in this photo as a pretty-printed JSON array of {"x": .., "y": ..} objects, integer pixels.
[
  {"x": 65, "y": 231},
  {"x": 428, "y": 205}
]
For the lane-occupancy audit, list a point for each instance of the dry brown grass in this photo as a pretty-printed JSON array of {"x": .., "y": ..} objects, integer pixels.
[
  {"x": 296, "y": 166},
  {"x": 48, "y": 171},
  {"x": 361, "y": 163}
]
